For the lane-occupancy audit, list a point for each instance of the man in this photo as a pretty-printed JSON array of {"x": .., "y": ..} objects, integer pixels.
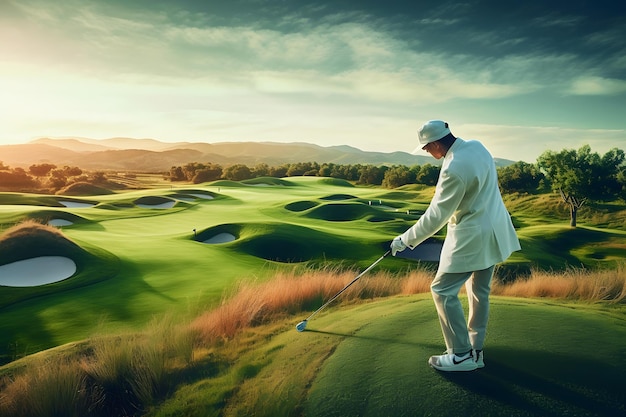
[{"x": 480, "y": 235}]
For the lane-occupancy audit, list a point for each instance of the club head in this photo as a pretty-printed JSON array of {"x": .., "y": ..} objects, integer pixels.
[{"x": 301, "y": 326}]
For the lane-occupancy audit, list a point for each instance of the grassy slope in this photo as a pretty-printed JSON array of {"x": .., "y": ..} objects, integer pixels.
[
  {"x": 543, "y": 358},
  {"x": 162, "y": 268}
]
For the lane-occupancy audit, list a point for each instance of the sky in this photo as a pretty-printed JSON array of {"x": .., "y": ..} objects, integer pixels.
[{"x": 521, "y": 77}]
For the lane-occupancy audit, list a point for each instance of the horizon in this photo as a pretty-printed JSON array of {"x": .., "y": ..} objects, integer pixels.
[
  {"x": 418, "y": 154},
  {"x": 521, "y": 78}
]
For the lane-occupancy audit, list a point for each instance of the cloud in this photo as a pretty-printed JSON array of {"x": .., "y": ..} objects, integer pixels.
[
  {"x": 528, "y": 142},
  {"x": 597, "y": 86}
]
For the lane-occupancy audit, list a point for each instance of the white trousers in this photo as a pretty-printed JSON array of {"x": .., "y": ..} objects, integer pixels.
[{"x": 461, "y": 336}]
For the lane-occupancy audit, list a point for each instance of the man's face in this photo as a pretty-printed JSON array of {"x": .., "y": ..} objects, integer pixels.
[{"x": 435, "y": 149}]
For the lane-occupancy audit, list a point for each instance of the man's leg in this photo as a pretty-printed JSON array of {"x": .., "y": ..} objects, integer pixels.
[
  {"x": 445, "y": 290},
  {"x": 478, "y": 289}
]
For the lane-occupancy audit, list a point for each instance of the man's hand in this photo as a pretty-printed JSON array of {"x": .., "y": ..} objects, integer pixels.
[{"x": 397, "y": 245}]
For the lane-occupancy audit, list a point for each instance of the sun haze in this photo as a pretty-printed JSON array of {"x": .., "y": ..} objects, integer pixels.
[{"x": 523, "y": 78}]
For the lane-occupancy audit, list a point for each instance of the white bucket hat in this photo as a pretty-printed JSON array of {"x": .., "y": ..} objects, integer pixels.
[{"x": 432, "y": 131}]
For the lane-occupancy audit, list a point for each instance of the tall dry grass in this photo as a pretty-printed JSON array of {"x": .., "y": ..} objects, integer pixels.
[
  {"x": 118, "y": 375},
  {"x": 572, "y": 284},
  {"x": 292, "y": 292},
  {"x": 45, "y": 388}
]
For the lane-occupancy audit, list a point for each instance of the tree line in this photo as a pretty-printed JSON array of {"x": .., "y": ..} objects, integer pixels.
[
  {"x": 45, "y": 177},
  {"x": 580, "y": 172},
  {"x": 386, "y": 176},
  {"x": 577, "y": 175}
]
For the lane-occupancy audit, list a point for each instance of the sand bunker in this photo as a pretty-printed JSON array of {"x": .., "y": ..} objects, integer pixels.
[
  {"x": 221, "y": 238},
  {"x": 37, "y": 271},
  {"x": 166, "y": 205},
  {"x": 59, "y": 222},
  {"x": 75, "y": 204}
]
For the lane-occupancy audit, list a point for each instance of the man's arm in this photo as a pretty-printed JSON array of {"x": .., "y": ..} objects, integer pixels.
[{"x": 448, "y": 195}]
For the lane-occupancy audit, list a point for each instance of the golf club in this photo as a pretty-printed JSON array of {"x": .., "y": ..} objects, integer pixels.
[
  {"x": 430, "y": 250},
  {"x": 302, "y": 325}
]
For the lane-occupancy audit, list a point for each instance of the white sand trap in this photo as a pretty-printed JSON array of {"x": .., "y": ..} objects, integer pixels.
[
  {"x": 60, "y": 222},
  {"x": 74, "y": 204},
  {"x": 166, "y": 205},
  {"x": 221, "y": 238},
  {"x": 205, "y": 196},
  {"x": 36, "y": 271}
]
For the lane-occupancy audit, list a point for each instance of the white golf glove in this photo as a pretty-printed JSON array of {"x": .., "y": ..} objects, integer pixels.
[{"x": 397, "y": 245}]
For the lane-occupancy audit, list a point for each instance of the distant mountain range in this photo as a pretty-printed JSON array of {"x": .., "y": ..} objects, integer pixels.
[{"x": 150, "y": 155}]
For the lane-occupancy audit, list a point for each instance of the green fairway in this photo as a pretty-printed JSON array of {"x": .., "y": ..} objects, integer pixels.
[
  {"x": 161, "y": 261},
  {"x": 148, "y": 256},
  {"x": 178, "y": 251}
]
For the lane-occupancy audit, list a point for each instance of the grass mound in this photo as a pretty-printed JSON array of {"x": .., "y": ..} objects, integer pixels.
[
  {"x": 228, "y": 183},
  {"x": 339, "y": 197},
  {"x": 268, "y": 181},
  {"x": 44, "y": 216},
  {"x": 30, "y": 200},
  {"x": 298, "y": 206},
  {"x": 153, "y": 200},
  {"x": 340, "y": 212},
  {"x": 194, "y": 194},
  {"x": 31, "y": 239},
  {"x": 232, "y": 229},
  {"x": 283, "y": 242},
  {"x": 336, "y": 182},
  {"x": 83, "y": 188},
  {"x": 561, "y": 246}
]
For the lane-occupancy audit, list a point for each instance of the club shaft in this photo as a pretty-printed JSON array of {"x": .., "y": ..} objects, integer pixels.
[{"x": 347, "y": 286}]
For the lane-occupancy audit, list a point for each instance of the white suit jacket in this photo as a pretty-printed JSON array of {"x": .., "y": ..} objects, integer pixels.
[{"x": 480, "y": 232}]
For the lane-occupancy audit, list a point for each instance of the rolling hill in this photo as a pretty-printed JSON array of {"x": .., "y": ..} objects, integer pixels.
[{"x": 155, "y": 156}]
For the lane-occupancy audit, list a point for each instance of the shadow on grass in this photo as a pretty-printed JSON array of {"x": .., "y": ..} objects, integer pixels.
[
  {"x": 546, "y": 384},
  {"x": 385, "y": 340}
]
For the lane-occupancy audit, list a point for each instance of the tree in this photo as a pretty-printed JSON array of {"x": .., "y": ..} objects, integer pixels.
[
  {"x": 208, "y": 172},
  {"x": 16, "y": 179},
  {"x": 621, "y": 179},
  {"x": 72, "y": 171},
  {"x": 57, "y": 179},
  {"x": 372, "y": 174},
  {"x": 582, "y": 175},
  {"x": 397, "y": 176},
  {"x": 428, "y": 174},
  {"x": 237, "y": 172},
  {"x": 41, "y": 170},
  {"x": 279, "y": 171},
  {"x": 261, "y": 170},
  {"x": 176, "y": 174},
  {"x": 99, "y": 177},
  {"x": 520, "y": 177}
]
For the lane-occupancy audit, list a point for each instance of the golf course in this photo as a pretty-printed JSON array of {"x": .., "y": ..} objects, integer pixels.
[{"x": 167, "y": 269}]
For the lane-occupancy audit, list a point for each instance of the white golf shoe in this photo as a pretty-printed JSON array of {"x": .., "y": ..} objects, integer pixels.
[{"x": 451, "y": 362}]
